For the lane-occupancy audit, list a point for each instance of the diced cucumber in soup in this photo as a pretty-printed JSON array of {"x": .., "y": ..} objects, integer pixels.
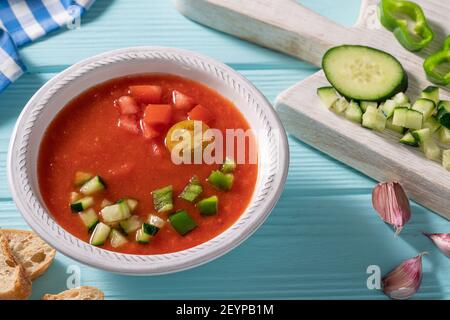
[
  {"x": 115, "y": 213},
  {"x": 82, "y": 204},
  {"x": 117, "y": 239},
  {"x": 100, "y": 234},
  {"x": 94, "y": 185},
  {"x": 89, "y": 218},
  {"x": 131, "y": 224}
]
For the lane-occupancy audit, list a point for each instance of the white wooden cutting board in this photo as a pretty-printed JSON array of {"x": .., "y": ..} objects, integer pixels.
[{"x": 286, "y": 26}]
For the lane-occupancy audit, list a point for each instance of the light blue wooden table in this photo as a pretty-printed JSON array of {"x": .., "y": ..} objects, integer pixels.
[{"x": 323, "y": 233}]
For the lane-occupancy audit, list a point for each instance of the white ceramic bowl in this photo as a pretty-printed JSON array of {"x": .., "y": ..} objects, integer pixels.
[{"x": 55, "y": 94}]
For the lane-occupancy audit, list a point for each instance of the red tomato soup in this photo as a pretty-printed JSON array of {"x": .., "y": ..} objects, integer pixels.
[{"x": 109, "y": 143}]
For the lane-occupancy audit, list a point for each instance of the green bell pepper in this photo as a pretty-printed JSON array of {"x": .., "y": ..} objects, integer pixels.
[
  {"x": 432, "y": 63},
  {"x": 408, "y": 23}
]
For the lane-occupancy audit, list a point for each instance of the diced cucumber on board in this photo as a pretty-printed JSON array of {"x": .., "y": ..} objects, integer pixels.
[
  {"x": 427, "y": 144},
  {"x": 407, "y": 118},
  {"x": 409, "y": 139},
  {"x": 353, "y": 112},
  {"x": 446, "y": 159},
  {"x": 443, "y": 114},
  {"x": 425, "y": 106},
  {"x": 365, "y": 104},
  {"x": 444, "y": 135},
  {"x": 364, "y": 73},
  {"x": 432, "y": 124},
  {"x": 393, "y": 127},
  {"x": 374, "y": 119},
  {"x": 328, "y": 96},
  {"x": 388, "y": 108},
  {"x": 431, "y": 93},
  {"x": 401, "y": 99},
  {"x": 340, "y": 105}
]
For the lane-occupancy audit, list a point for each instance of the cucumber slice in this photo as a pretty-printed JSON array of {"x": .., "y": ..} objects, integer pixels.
[
  {"x": 192, "y": 190},
  {"x": 353, "y": 112},
  {"x": 182, "y": 222},
  {"x": 393, "y": 127},
  {"x": 365, "y": 104},
  {"x": 115, "y": 213},
  {"x": 92, "y": 186},
  {"x": 388, "y": 108},
  {"x": 409, "y": 139},
  {"x": 82, "y": 204},
  {"x": 364, "y": 73},
  {"x": 432, "y": 124},
  {"x": 162, "y": 199},
  {"x": 431, "y": 93},
  {"x": 100, "y": 234},
  {"x": 427, "y": 144},
  {"x": 425, "y": 106},
  {"x": 228, "y": 166},
  {"x": 340, "y": 105},
  {"x": 89, "y": 218},
  {"x": 81, "y": 178},
  {"x": 373, "y": 119},
  {"x": 328, "y": 96},
  {"x": 208, "y": 206},
  {"x": 401, "y": 99},
  {"x": 130, "y": 225},
  {"x": 404, "y": 117},
  {"x": 443, "y": 114},
  {"x": 444, "y": 135},
  {"x": 117, "y": 239},
  {"x": 142, "y": 237},
  {"x": 446, "y": 159}
]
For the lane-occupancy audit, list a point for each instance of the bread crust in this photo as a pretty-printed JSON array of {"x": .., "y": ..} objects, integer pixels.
[
  {"x": 21, "y": 289},
  {"x": 80, "y": 293},
  {"x": 33, "y": 253}
]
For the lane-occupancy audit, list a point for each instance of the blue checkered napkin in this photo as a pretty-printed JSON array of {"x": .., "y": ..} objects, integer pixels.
[{"x": 23, "y": 21}]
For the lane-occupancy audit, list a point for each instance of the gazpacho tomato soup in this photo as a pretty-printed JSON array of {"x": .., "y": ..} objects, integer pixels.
[{"x": 107, "y": 177}]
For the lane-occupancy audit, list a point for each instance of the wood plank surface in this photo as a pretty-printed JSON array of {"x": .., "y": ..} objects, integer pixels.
[{"x": 323, "y": 233}]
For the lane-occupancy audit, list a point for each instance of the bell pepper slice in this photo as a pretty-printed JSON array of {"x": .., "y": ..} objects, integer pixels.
[
  {"x": 433, "y": 62},
  {"x": 408, "y": 23}
]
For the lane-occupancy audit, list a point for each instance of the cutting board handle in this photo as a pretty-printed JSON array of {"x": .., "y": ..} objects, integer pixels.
[{"x": 282, "y": 25}]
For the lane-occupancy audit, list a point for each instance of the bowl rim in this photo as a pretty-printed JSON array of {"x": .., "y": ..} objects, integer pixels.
[{"x": 46, "y": 227}]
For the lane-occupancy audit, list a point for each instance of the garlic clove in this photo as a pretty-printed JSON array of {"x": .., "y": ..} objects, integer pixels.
[
  {"x": 392, "y": 205},
  {"x": 442, "y": 241},
  {"x": 404, "y": 281}
]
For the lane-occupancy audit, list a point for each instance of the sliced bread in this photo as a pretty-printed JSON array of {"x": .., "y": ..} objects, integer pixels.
[
  {"x": 14, "y": 283},
  {"x": 80, "y": 293},
  {"x": 33, "y": 253}
]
